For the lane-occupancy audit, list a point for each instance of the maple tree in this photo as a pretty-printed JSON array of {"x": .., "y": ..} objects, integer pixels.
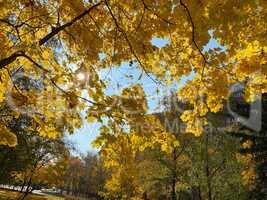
[
  {"x": 82, "y": 177},
  {"x": 53, "y": 41},
  {"x": 53, "y": 53},
  {"x": 143, "y": 166}
]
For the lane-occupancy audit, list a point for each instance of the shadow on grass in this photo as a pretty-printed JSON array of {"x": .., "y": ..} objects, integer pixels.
[{"x": 7, "y": 194}]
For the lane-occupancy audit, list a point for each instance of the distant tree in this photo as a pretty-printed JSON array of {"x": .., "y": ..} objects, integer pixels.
[
  {"x": 203, "y": 167},
  {"x": 254, "y": 149},
  {"x": 22, "y": 162},
  {"x": 95, "y": 175}
]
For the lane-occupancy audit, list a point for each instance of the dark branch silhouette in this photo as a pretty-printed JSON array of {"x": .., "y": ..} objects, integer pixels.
[
  {"x": 193, "y": 35},
  {"x": 128, "y": 42},
  {"x": 156, "y": 14},
  {"x": 55, "y": 31},
  {"x": 6, "y": 61}
]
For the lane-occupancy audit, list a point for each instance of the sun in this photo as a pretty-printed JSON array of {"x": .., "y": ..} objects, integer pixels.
[{"x": 81, "y": 76}]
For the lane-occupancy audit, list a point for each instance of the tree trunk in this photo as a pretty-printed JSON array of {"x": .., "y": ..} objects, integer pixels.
[
  {"x": 23, "y": 184},
  {"x": 208, "y": 168},
  {"x": 29, "y": 183},
  {"x": 173, "y": 194},
  {"x": 25, "y": 194},
  {"x": 196, "y": 193},
  {"x": 145, "y": 196}
]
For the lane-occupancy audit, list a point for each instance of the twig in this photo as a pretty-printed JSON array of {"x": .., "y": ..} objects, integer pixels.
[
  {"x": 56, "y": 30},
  {"x": 14, "y": 84},
  {"x": 193, "y": 36},
  {"x": 67, "y": 93},
  {"x": 142, "y": 17},
  {"x": 35, "y": 63},
  {"x": 218, "y": 168},
  {"x": 129, "y": 43},
  {"x": 157, "y": 15},
  {"x": 6, "y": 61}
]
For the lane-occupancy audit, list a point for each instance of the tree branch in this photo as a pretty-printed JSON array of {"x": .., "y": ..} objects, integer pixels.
[
  {"x": 156, "y": 14},
  {"x": 218, "y": 168},
  {"x": 22, "y": 54},
  {"x": 193, "y": 34},
  {"x": 35, "y": 63},
  {"x": 67, "y": 93},
  {"x": 128, "y": 42},
  {"x": 6, "y": 61},
  {"x": 56, "y": 30}
]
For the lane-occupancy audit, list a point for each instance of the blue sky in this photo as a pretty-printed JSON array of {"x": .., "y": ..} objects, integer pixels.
[{"x": 117, "y": 78}]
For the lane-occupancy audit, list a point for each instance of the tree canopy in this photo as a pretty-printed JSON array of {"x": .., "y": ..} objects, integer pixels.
[
  {"x": 55, "y": 41},
  {"x": 53, "y": 55}
]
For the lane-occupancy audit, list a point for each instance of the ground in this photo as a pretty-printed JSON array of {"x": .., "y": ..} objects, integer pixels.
[{"x": 10, "y": 195}]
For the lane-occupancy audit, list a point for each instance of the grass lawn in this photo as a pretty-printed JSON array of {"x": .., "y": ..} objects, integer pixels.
[{"x": 10, "y": 195}]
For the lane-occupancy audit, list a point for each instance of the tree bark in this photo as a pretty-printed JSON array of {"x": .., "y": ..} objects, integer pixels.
[
  {"x": 209, "y": 189},
  {"x": 173, "y": 195}
]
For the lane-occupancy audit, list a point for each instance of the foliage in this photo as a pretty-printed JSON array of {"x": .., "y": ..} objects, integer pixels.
[
  {"x": 50, "y": 74},
  {"x": 47, "y": 37},
  {"x": 31, "y": 152},
  {"x": 253, "y": 155},
  {"x": 205, "y": 167}
]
